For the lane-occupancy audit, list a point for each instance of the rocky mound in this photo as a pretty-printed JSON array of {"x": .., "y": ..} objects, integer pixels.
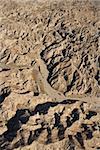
[{"x": 50, "y": 122}]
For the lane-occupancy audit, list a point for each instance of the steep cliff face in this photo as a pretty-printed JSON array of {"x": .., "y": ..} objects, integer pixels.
[{"x": 49, "y": 75}]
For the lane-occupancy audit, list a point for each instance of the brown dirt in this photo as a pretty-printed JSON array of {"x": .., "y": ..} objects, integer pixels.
[{"x": 49, "y": 75}]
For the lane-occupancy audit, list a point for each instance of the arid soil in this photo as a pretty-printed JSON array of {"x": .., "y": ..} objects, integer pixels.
[{"x": 49, "y": 75}]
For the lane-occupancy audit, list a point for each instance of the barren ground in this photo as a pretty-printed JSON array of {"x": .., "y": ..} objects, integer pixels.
[{"x": 49, "y": 75}]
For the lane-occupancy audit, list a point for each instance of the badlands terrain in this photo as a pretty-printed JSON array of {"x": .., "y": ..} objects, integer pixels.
[{"x": 49, "y": 75}]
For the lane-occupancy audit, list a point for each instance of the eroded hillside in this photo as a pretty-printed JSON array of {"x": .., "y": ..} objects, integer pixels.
[{"x": 49, "y": 75}]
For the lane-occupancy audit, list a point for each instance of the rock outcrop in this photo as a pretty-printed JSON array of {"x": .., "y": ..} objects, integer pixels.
[{"x": 50, "y": 122}]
